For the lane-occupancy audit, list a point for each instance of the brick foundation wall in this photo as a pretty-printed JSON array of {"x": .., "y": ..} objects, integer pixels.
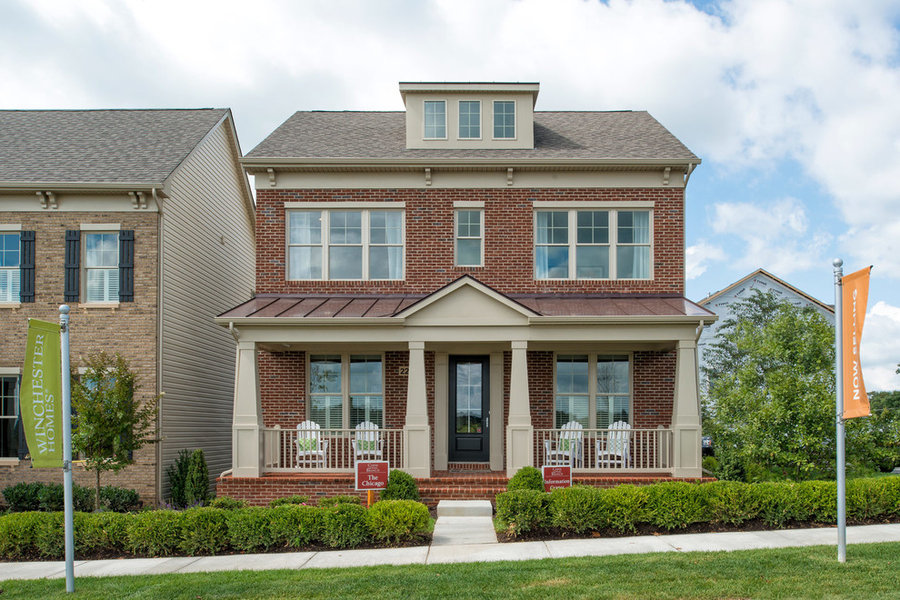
[
  {"x": 130, "y": 329},
  {"x": 508, "y": 244}
]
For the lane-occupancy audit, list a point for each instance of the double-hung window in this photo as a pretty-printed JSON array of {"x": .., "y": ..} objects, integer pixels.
[
  {"x": 9, "y": 416},
  {"x": 10, "y": 267},
  {"x": 435, "y": 119},
  {"x": 469, "y": 119},
  {"x": 345, "y": 244},
  {"x": 593, "y": 390},
  {"x": 592, "y": 244},
  {"x": 101, "y": 267},
  {"x": 469, "y": 237},
  {"x": 346, "y": 390},
  {"x": 504, "y": 119}
]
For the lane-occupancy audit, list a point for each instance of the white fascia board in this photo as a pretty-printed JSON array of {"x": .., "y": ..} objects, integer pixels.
[
  {"x": 619, "y": 319},
  {"x": 81, "y": 186},
  {"x": 263, "y": 162}
]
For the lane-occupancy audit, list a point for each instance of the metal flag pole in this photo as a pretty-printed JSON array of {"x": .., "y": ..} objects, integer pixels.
[
  {"x": 839, "y": 411},
  {"x": 67, "y": 448}
]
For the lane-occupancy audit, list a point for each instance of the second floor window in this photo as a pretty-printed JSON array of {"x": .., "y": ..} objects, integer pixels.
[
  {"x": 592, "y": 244},
  {"x": 435, "y": 119},
  {"x": 9, "y": 267},
  {"x": 504, "y": 119},
  {"x": 345, "y": 244},
  {"x": 469, "y": 238},
  {"x": 469, "y": 119},
  {"x": 101, "y": 267}
]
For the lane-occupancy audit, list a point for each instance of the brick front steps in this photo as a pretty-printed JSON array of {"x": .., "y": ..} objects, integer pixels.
[{"x": 443, "y": 485}]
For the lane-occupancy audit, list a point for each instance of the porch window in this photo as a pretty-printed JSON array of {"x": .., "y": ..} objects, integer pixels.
[
  {"x": 593, "y": 389},
  {"x": 592, "y": 244},
  {"x": 345, "y": 244},
  {"x": 346, "y": 390}
]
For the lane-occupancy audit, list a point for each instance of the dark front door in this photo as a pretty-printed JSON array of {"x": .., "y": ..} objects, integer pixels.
[{"x": 469, "y": 408}]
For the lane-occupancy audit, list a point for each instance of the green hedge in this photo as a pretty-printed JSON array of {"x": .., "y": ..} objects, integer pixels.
[
  {"x": 676, "y": 505},
  {"x": 209, "y": 530},
  {"x": 48, "y": 497}
]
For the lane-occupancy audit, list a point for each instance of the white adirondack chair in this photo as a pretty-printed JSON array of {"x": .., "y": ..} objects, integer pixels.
[
  {"x": 615, "y": 452},
  {"x": 367, "y": 443},
  {"x": 567, "y": 448},
  {"x": 312, "y": 450}
]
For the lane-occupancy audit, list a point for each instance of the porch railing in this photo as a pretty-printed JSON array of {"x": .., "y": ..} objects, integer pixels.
[
  {"x": 605, "y": 450},
  {"x": 290, "y": 450}
]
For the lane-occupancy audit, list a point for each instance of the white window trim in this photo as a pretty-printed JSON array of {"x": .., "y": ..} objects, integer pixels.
[
  {"x": 592, "y": 384},
  {"x": 345, "y": 384},
  {"x": 515, "y": 121},
  {"x": 12, "y": 372},
  {"x": 593, "y": 205},
  {"x": 613, "y": 242},
  {"x": 7, "y": 229},
  {"x": 446, "y": 120},
  {"x": 94, "y": 229},
  {"x": 468, "y": 204},
  {"x": 101, "y": 227},
  {"x": 456, "y": 237},
  {"x": 326, "y": 210},
  {"x": 459, "y": 121}
]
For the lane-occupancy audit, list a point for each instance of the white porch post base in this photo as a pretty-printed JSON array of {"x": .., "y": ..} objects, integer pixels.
[
  {"x": 687, "y": 452},
  {"x": 686, "y": 422},
  {"x": 247, "y": 451},
  {"x": 417, "y": 450},
  {"x": 519, "y": 453}
]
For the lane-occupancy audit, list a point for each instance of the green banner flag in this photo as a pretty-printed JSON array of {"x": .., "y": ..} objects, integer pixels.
[{"x": 40, "y": 400}]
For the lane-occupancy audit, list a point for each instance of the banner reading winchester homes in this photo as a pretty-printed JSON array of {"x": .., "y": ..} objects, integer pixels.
[
  {"x": 854, "y": 297},
  {"x": 40, "y": 400}
]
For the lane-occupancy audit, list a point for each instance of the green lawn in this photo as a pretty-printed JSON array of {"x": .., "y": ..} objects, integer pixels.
[{"x": 872, "y": 571}]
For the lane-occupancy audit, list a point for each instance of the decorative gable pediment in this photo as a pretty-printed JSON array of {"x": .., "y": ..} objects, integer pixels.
[{"x": 466, "y": 302}]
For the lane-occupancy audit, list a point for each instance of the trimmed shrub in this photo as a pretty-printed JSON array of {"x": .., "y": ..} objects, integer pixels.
[
  {"x": 83, "y": 498},
  {"x": 397, "y": 521},
  {"x": 775, "y": 501},
  {"x": 730, "y": 502},
  {"x": 17, "y": 534},
  {"x": 154, "y": 532},
  {"x": 335, "y": 500},
  {"x": 526, "y": 478},
  {"x": 227, "y": 503},
  {"x": 196, "y": 485},
  {"x": 49, "y": 535},
  {"x": 288, "y": 500},
  {"x": 522, "y": 511},
  {"x": 203, "y": 531},
  {"x": 345, "y": 526},
  {"x": 816, "y": 501},
  {"x": 23, "y": 496},
  {"x": 295, "y": 526},
  {"x": 401, "y": 486},
  {"x": 100, "y": 532},
  {"x": 119, "y": 499},
  {"x": 626, "y": 505},
  {"x": 578, "y": 508},
  {"x": 51, "y": 497},
  {"x": 674, "y": 504},
  {"x": 248, "y": 529}
]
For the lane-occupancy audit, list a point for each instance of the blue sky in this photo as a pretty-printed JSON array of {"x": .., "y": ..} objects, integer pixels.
[{"x": 792, "y": 105}]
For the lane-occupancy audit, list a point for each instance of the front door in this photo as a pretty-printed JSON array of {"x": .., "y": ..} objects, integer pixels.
[{"x": 469, "y": 409}]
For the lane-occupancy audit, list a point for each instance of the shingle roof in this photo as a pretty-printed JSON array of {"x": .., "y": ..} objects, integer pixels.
[
  {"x": 99, "y": 146},
  {"x": 557, "y": 135}
]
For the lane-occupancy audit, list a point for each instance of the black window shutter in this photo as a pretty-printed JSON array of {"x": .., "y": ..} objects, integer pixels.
[
  {"x": 73, "y": 266},
  {"x": 126, "y": 265},
  {"x": 26, "y": 267}
]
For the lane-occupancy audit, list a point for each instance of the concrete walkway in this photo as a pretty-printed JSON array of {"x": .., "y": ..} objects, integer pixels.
[{"x": 446, "y": 552}]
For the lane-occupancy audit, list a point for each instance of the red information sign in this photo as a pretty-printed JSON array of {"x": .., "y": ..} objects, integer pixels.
[
  {"x": 371, "y": 475},
  {"x": 556, "y": 477}
]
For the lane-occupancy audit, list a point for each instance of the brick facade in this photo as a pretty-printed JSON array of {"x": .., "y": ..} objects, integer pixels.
[
  {"x": 129, "y": 329},
  {"x": 508, "y": 244}
]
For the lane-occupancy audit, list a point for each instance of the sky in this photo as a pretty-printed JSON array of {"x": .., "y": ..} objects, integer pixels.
[{"x": 794, "y": 106}]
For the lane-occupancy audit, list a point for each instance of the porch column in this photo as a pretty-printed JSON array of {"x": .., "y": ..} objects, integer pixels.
[
  {"x": 686, "y": 412},
  {"x": 247, "y": 440},
  {"x": 416, "y": 433},
  {"x": 519, "y": 432}
]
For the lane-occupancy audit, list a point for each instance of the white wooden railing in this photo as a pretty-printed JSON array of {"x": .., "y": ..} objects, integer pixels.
[
  {"x": 605, "y": 450},
  {"x": 331, "y": 450}
]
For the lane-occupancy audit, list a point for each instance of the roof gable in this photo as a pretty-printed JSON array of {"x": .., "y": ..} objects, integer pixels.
[
  {"x": 765, "y": 278},
  {"x": 466, "y": 301}
]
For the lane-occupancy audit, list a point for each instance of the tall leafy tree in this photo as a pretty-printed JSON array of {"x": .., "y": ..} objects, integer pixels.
[{"x": 109, "y": 421}]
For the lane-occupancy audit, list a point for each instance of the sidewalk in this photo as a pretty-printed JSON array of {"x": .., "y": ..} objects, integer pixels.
[{"x": 458, "y": 552}]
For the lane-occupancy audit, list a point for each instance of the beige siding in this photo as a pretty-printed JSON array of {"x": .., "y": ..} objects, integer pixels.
[{"x": 207, "y": 267}]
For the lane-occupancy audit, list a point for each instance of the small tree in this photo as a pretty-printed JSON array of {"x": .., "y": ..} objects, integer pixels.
[{"x": 109, "y": 422}]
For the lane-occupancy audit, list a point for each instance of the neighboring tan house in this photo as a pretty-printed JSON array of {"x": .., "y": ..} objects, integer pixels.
[
  {"x": 761, "y": 280},
  {"x": 478, "y": 280},
  {"x": 142, "y": 221}
]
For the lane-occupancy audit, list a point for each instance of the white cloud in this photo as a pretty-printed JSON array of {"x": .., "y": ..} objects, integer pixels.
[
  {"x": 698, "y": 257},
  {"x": 774, "y": 236},
  {"x": 880, "y": 348}
]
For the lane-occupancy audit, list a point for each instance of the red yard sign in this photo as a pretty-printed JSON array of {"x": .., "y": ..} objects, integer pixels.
[
  {"x": 371, "y": 475},
  {"x": 556, "y": 477}
]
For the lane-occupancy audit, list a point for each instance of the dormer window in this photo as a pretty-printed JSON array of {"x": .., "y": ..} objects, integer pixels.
[
  {"x": 469, "y": 119},
  {"x": 435, "y": 119},
  {"x": 504, "y": 119}
]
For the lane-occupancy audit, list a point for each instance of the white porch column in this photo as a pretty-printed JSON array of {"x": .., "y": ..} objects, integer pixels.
[
  {"x": 247, "y": 440},
  {"x": 416, "y": 432},
  {"x": 686, "y": 412},
  {"x": 519, "y": 432}
]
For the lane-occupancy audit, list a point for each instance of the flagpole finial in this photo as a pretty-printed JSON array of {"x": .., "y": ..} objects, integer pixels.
[
  {"x": 64, "y": 309},
  {"x": 838, "y": 263}
]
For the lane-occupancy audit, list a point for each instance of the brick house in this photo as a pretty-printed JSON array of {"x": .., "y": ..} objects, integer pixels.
[
  {"x": 143, "y": 222},
  {"x": 489, "y": 285}
]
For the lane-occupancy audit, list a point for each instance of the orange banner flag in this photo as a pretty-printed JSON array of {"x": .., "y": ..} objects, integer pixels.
[{"x": 854, "y": 297}]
